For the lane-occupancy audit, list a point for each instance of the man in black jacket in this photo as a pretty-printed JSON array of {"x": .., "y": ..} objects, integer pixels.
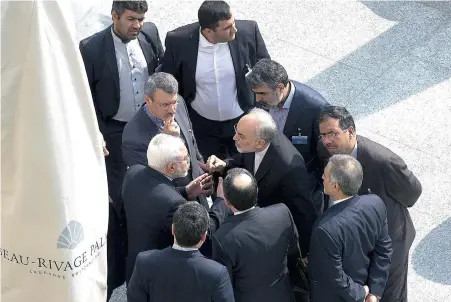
[
  {"x": 209, "y": 59},
  {"x": 278, "y": 168},
  {"x": 151, "y": 198},
  {"x": 256, "y": 244},
  {"x": 181, "y": 272},
  {"x": 118, "y": 61}
]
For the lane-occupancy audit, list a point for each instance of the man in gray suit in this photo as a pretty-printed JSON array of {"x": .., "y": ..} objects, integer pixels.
[
  {"x": 386, "y": 175},
  {"x": 164, "y": 111}
]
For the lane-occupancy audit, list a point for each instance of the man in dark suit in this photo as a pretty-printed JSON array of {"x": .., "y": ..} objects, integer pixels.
[
  {"x": 350, "y": 249},
  {"x": 255, "y": 243},
  {"x": 295, "y": 108},
  {"x": 278, "y": 168},
  {"x": 386, "y": 175},
  {"x": 151, "y": 198},
  {"x": 118, "y": 61},
  {"x": 181, "y": 272},
  {"x": 163, "y": 112},
  {"x": 209, "y": 59}
]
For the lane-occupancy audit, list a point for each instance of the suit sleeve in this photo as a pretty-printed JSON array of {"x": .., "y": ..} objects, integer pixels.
[
  {"x": 262, "y": 52},
  {"x": 169, "y": 217},
  {"x": 380, "y": 262},
  {"x": 169, "y": 64},
  {"x": 220, "y": 256},
  {"x": 134, "y": 153},
  {"x": 223, "y": 291},
  {"x": 218, "y": 212},
  {"x": 89, "y": 67},
  {"x": 160, "y": 50},
  {"x": 329, "y": 255},
  {"x": 237, "y": 161},
  {"x": 136, "y": 287},
  {"x": 401, "y": 184},
  {"x": 297, "y": 197}
]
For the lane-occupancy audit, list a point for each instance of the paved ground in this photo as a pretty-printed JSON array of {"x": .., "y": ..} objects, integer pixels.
[{"x": 390, "y": 64}]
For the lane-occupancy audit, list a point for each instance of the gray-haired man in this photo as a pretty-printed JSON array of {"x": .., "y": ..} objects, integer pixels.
[
  {"x": 278, "y": 168},
  {"x": 164, "y": 111},
  {"x": 350, "y": 250}
]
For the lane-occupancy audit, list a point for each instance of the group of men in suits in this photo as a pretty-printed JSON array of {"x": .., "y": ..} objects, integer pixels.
[{"x": 167, "y": 132}]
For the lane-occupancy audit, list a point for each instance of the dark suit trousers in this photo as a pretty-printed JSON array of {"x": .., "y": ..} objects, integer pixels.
[
  {"x": 116, "y": 237},
  {"x": 396, "y": 288},
  {"x": 214, "y": 137}
]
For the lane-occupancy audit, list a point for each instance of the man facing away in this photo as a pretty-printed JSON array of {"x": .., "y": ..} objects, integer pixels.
[
  {"x": 151, "y": 198},
  {"x": 278, "y": 168},
  {"x": 118, "y": 61},
  {"x": 350, "y": 250},
  {"x": 256, "y": 244},
  {"x": 295, "y": 108},
  {"x": 387, "y": 176},
  {"x": 209, "y": 59},
  {"x": 181, "y": 272}
]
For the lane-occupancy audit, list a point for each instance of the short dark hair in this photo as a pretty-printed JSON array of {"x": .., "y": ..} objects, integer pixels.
[
  {"x": 267, "y": 71},
  {"x": 190, "y": 223},
  {"x": 137, "y": 6},
  {"x": 241, "y": 198},
  {"x": 211, "y": 12},
  {"x": 339, "y": 113}
]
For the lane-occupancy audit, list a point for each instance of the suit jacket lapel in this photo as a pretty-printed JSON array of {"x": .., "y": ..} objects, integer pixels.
[
  {"x": 249, "y": 159},
  {"x": 192, "y": 49},
  {"x": 147, "y": 50},
  {"x": 293, "y": 114},
  {"x": 234, "y": 47},
  {"x": 110, "y": 56},
  {"x": 265, "y": 165}
]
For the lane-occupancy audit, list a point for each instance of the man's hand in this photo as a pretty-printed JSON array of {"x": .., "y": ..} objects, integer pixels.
[
  {"x": 203, "y": 167},
  {"x": 371, "y": 298},
  {"x": 214, "y": 164},
  {"x": 201, "y": 185},
  {"x": 305, "y": 261},
  {"x": 105, "y": 150},
  {"x": 171, "y": 127},
  {"x": 220, "y": 189}
]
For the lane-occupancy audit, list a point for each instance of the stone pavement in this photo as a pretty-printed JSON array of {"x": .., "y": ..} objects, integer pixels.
[{"x": 390, "y": 64}]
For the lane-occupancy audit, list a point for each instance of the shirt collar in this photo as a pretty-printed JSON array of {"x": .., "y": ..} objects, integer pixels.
[
  {"x": 262, "y": 152},
  {"x": 354, "y": 151},
  {"x": 175, "y": 246},
  {"x": 156, "y": 120},
  {"x": 340, "y": 200},
  {"x": 244, "y": 211},
  {"x": 204, "y": 43},
  {"x": 290, "y": 96}
]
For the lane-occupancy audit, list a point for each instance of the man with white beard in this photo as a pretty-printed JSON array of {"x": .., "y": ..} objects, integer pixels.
[{"x": 151, "y": 198}]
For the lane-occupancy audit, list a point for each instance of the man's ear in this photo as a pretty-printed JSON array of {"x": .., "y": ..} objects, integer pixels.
[{"x": 172, "y": 229}]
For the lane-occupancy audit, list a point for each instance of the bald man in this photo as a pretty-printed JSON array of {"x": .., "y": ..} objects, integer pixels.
[{"x": 255, "y": 243}]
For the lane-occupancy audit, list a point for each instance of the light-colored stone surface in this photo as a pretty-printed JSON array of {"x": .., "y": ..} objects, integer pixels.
[{"x": 389, "y": 63}]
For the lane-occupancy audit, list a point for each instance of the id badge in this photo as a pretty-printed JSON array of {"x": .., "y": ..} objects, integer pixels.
[{"x": 299, "y": 140}]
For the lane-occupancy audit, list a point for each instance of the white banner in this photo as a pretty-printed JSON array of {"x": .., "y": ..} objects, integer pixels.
[{"x": 54, "y": 196}]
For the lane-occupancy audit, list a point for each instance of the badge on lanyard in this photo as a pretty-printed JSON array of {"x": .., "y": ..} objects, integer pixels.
[{"x": 299, "y": 139}]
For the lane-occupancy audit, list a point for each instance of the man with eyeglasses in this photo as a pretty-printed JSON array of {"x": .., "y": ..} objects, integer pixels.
[
  {"x": 164, "y": 111},
  {"x": 151, "y": 198},
  {"x": 384, "y": 174}
]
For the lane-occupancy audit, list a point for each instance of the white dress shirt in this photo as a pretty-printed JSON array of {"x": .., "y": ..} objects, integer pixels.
[
  {"x": 216, "y": 94},
  {"x": 259, "y": 157},
  {"x": 133, "y": 74}
]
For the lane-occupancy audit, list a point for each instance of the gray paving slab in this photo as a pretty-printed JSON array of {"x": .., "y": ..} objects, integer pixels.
[{"x": 389, "y": 62}]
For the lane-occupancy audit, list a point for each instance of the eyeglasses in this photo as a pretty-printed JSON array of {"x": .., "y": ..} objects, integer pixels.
[
  {"x": 167, "y": 105},
  {"x": 331, "y": 135}
]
